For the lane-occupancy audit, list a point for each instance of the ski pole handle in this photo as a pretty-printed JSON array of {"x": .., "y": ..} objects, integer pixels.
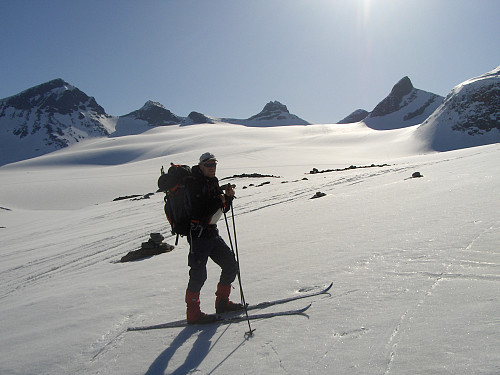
[{"x": 229, "y": 189}]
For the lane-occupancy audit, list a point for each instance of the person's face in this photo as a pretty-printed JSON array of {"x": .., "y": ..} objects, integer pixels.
[{"x": 209, "y": 168}]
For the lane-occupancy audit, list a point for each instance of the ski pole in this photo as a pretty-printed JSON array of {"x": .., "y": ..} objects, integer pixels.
[
  {"x": 236, "y": 257},
  {"x": 250, "y": 332}
]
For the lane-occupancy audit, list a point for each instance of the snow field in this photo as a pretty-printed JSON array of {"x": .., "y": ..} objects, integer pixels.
[{"x": 414, "y": 261}]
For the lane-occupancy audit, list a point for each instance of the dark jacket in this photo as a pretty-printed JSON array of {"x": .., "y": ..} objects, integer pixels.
[{"x": 205, "y": 196}]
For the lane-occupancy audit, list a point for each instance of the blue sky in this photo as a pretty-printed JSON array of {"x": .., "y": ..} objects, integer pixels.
[{"x": 228, "y": 58}]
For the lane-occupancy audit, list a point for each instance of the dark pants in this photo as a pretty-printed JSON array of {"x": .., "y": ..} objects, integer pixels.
[{"x": 215, "y": 248}]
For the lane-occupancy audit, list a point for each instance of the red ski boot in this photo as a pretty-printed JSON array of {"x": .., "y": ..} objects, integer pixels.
[
  {"x": 222, "y": 302},
  {"x": 194, "y": 314}
]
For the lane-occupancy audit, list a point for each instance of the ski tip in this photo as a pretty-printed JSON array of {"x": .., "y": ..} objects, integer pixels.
[
  {"x": 328, "y": 287},
  {"x": 305, "y": 308}
]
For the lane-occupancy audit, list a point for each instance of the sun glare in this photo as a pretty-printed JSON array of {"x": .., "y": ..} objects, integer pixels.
[{"x": 365, "y": 11}]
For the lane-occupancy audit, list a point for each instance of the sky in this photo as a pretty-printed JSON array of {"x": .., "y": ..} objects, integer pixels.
[{"x": 323, "y": 59}]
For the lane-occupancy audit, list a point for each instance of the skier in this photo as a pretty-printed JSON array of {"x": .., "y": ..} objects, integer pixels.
[{"x": 208, "y": 204}]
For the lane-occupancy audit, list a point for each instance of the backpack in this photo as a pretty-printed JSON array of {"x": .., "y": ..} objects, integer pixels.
[{"x": 177, "y": 200}]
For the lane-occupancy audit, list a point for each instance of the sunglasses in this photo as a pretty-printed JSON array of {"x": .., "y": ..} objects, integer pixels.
[{"x": 210, "y": 164}]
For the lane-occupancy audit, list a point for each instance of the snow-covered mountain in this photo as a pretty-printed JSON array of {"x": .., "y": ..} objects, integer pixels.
[
  {"x": 469, "y": 116},
  {"x": 48, "y": 117},
  {"x": 357, "y": 116},
  {"x": 200, "y": 118},
  {"x": 404, "y": 106},
  {"x": 274, "y": 113},
  {"x": 154, "y": 114},
  {"x": 55, "y": 114},
  {"x": 150, "y": 115}
]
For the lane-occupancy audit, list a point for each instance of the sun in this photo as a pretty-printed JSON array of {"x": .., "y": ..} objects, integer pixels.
[{"x": 365, "y": 11}]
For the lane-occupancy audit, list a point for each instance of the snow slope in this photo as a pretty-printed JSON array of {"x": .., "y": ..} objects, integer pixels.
[
  {"x": 468, "y": 117},
  {"x": 414, "y": 261}
]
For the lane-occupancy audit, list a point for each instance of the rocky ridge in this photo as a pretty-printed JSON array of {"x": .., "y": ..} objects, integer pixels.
[
  {"x": 469, "y": 115},
  {"x": 404, "y": 106}
]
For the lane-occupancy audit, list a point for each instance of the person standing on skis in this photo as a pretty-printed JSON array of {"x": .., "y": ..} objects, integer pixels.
[{"x": 208, "y": 204}]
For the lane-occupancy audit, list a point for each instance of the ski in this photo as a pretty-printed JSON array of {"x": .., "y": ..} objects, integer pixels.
[
  {"x": 222, "y": 319},
  {"x": 263, "y": 305},
  {"x": 237, "y": 316}
]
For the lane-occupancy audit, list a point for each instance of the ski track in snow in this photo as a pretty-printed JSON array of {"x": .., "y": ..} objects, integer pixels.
[
  {"x": 300, "y": 189},
  {"x": 336, "y": 179},
  {"x": 72, "y": 259},
  {"x": 109, "y": 342},
  {"x": 61, "y": 258},
  {"x": 64, "y": 257},
  {"x": 403, "y": 323},
  {"x": 308, "y": 188},
  {"x": 47, "y": 267}
]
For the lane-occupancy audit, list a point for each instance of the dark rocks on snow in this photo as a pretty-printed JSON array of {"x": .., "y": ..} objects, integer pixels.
[
  {"x": 153, "y": 246},
  {"x": 264, "y": 183},
  {"x": 316, "y": 170},
  {"x": 249, "y": 175},
  {"x": 126, "y": 197},
  {"x": 134, "y": 197},
  {"x": 318, "y": 194},
  {"x": 145, "y": 196},
  {"x": 259, "y": 185}
]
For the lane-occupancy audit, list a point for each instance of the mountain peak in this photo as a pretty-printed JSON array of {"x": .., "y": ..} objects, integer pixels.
[
  {"x": 154, "y": 114},
  {"x": 404, "y": 106},
  {"x": 199, "y": 118},
  {"x": 57, "y": 82},
  {"x": 273, "y": 106},
  {"x": 151, "y": 105},
  {"x": 356, "y": 116},
  {"x": 50, "y": 85},
  {"x": 402, "y": 88},
  {"x": 55, "y": 96},
  {"x": 391, "y": 103},
  {"x": 274, "y": 113},
  {"x": 51, "y": 116},
  {"x": 272, "y": 110}
]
